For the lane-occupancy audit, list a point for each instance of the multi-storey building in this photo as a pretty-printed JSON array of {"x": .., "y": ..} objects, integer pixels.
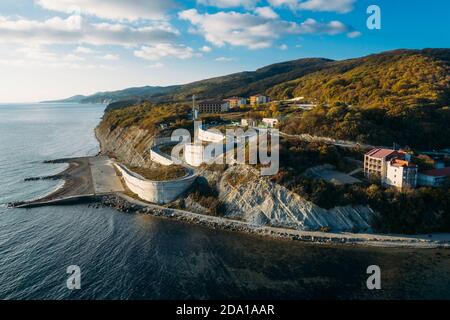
[
  {"x": 375, "y": 162},
  {"x": 258, "y": 99},
  {"x": 392, "y": 167},
  {"x": 213, "y": 107},
  {"x": 236, "y": 102},
  {"x": 401, "y": 174}
]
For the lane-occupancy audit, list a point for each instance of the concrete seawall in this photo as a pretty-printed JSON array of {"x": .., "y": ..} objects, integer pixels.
[{"x": 159, "y": 192}]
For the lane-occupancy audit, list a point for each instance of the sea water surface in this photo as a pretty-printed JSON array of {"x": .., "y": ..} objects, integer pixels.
[{"x": 132, "y": 256}]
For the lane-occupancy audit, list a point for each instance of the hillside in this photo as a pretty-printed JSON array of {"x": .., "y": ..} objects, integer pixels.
[
  {"x": 398, "y": 97},
  {"x": 401, "y": 77},
  {"x": 242, "y": 84}
]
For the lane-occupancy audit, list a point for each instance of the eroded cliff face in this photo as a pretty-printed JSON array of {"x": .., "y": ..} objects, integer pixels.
[
  {"x": 253, "y": 198},
  {"x": 246, "y": 195},
  {"x": 129, "y": 145}
]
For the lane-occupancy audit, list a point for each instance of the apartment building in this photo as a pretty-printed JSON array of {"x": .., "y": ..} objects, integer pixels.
[
  {"x": 392, "y": 167},
  {"x": 213, "y": 107},
  {"x": 258, "y": 99},
  {"x": 401, "y": 174},
  {"x": 236, "y": 102}
]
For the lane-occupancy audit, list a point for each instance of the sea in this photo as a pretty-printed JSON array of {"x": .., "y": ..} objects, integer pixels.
[{"x": 134, "y": 256}]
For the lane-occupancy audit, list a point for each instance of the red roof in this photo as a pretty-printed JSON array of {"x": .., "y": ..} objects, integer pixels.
[
  {"x": 444, "y": 172},
  {"x": 380, "y": 153}
]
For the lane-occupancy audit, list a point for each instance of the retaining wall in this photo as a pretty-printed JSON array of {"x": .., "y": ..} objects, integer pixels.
[{"x": 159, "y": 192}]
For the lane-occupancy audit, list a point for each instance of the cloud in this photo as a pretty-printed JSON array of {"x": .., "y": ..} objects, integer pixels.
[
  {"x": 163, "y": 50},
  {"x": 341, "y": 6},
  {"x": 283, "y": 47},
  {"x": 354, "y": 34},
  {"x": 253, "y": 31},
  {"x": 112, "y": 9},
  {"x": 224, "y": 59},
  {"x": 110, "y": 57},
  {"x": 37, "y": 56},
  {"x": 84, "y": 50},
  {"x": 311, "y": 26},
  {"x": 267, "y": 12},
  {"x": 229, "y": 3},
  {"x": 237, "y": 29},
  {"x": 205, "y": 49},
  {"x": 76, "y": 30}
]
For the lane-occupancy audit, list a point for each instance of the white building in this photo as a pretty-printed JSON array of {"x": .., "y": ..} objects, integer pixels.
[
  {"x": 248, "y": 123},
  {"x": 401, "y": 174},
  {"x": 270, "y": 122},
  {"x": 393, "y": 168}
]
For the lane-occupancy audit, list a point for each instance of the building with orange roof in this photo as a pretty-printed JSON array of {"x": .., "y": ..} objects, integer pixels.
[
  {"x": 392, "y": 167},
  {"x": 401, "y": 174},
  {"x": 258, "y": 99},
  {"x": 236, "y": 102}
]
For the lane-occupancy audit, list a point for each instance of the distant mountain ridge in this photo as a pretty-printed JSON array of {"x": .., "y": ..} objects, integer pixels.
[
  {"x": 107, "y": 97},
  {"x": 240, "y": 84},
  {"x": 387, "y": 78}
]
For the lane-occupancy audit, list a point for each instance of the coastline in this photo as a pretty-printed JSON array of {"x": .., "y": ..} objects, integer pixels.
[
  {"x": 127, "y": 204},
  {"x": 78, "y": 188}
]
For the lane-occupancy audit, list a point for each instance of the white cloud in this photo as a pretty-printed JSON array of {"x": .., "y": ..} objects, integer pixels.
[
  {"x": 283, "y": 47},
  {"x": 224, "y": 59},
  {"x": 205, "y": 49},
  {"x": 112, "y": 9},
  {"x": 267, "y": 12},
  {"x": 354, "y": 34},
  {"x": 110, "y": 57},
  {"x": 75, "y": 30},
  {"x": 229, "y": 3},
  {"x": 84, "y": 50},
  {"x": 252, "y": 31},
  {"x": 237, "y": 29},
  {"x": 331, "y": 28},
  {"x": 163, "y": 50},
  {"x": 341, "y": 6},
  {"x": 38, "y": 56}
]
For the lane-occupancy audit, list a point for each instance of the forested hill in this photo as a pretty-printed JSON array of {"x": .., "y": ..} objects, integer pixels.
[
  {"x": 400, "y": 96},
  {"x": 245, "y": 83},
  {"x": 395, "y": 78}
]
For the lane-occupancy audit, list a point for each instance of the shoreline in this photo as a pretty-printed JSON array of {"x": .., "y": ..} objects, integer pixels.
[
  {"x": 78, "y": 188},
  {"x": 127, "y": 204}
]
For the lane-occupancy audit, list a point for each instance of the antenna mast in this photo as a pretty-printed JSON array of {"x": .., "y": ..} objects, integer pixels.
[{"x": 194, "y": 116}]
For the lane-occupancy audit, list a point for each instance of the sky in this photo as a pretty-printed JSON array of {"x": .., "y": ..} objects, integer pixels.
[{"x": 51, "y": 49}]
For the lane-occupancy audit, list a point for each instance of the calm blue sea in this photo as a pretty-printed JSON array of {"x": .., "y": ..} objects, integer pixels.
[{"x": 125, "y": 256}]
